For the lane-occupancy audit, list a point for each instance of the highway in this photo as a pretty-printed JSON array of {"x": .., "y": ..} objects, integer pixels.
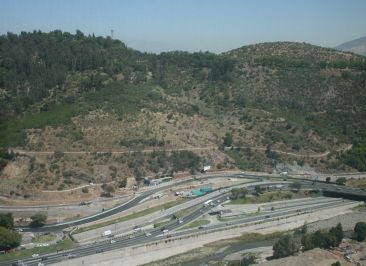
[
  {"x": 127, "y": 205},
  {"x": 135, "y": 201},
  {"x": 109, "y": 212},
  {"x": 157, "y": 234}
]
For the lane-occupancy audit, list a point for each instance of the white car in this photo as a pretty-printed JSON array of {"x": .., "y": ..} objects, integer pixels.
[
  {"x": 147, "y": 234},
  {"x": 40, "y": 264},
  {"x": 35, "y": 255},
  {"x": 113, "y": 241}
]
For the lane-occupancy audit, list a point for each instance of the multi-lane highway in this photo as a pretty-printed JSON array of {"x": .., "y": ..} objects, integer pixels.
[
  {"x": 109, "y": 212},
  {"x": 136, "y": 200},
  {"x": 158, "y": 234}
]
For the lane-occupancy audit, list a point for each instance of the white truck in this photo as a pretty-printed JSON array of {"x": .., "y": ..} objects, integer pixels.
[
  {"x": 206, "y": 203},
  {"x": 107, "y": 233}
]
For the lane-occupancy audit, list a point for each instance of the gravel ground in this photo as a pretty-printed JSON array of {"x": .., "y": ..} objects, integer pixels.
[{"x": 348, "y": 220}]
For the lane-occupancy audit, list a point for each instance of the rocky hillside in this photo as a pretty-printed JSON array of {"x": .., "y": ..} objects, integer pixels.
[{"x": 71, "y": 95}]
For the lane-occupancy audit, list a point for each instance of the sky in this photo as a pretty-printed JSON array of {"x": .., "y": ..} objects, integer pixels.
[{"x": 192, "y": 25}]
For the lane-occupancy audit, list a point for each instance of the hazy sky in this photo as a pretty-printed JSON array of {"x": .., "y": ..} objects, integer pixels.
[{"x": 193, "y": 25}]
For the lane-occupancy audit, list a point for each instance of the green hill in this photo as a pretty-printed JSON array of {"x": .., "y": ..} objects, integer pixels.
[{"x": 63, "y": 92}]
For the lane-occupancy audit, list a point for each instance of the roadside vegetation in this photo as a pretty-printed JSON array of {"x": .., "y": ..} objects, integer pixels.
[
  {"x": 356, "y": 183},
  {"x": 242, "y": 196},
  {"x": 44, "y": 238},
  {"x": 360, "y": 231},
  {"x": 289, "y": 245},
  {"x": 20, "y": 254},
  {"x": 210, "y": 250},
  {"x": 38, "y": 220},
  {"x": 9, "y": 237},
  {"x": 197, "y": 223}
]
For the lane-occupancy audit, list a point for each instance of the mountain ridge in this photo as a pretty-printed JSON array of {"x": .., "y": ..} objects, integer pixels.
[
  {"x": 357, "y": 46},
  {"x": 90, "y": 93}
]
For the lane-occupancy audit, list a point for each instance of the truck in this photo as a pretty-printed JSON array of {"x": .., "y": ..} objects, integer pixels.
[
  {"x": 107, "y": 233},
  {"x": 207, "y": 203}
]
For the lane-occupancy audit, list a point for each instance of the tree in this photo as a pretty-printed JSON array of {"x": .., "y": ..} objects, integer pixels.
[
  {"x": 337, "y": 263},
  {"x": 7, "y": 220},
  {"x": 296, "y": 185},
  {"x": 327, "y": 179},
  {"x": 38, "y": 220},
  {"x": 239, "y": 193},
  {"x": 258, "y": 189},
  {"x": 323, "y": 239},
  {"x": 284, "y": 247},
  {"x": 341, "y": 181},
  {"x": 337, "y": 232},
  {"x": 122, "y": 183},
  {"x": 360, "y": 231},
  {"x": 85, "y": 190},
  {"x": 9, "y": 238},
  {"x": 228, "y": 140},
  {"x": 235, "y": 192},
  {"x": 248, "y": 260}
]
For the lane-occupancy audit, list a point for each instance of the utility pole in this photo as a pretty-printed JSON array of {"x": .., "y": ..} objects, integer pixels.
[{"x": 112, "y": 33}]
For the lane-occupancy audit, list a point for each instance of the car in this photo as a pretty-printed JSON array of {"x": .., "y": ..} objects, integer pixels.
[
  {"x": 40, "y": 264},
  {"x": 165, "y": 231},
  {"x": 113, "y": 241},
  {"x": 35, "y": 255},
  {"x": 71, "y": 256},
  {"x": 44, "y": 258},
  {"x": 201, "y": 227},
  {"x": 268, "y": 216},
  {"x": 218, "y": 201},
  {"x": 147, "y": 234}
]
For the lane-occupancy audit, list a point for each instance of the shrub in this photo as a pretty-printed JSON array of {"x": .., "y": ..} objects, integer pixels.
[
  {"x": 341, "y": 181},
  {"x": 38, "y": 220}
]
